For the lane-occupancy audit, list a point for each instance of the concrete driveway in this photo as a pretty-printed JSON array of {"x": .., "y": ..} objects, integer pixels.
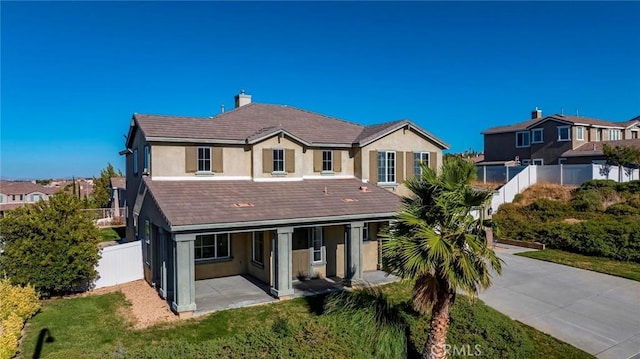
[{"x": 595, "y": 312}]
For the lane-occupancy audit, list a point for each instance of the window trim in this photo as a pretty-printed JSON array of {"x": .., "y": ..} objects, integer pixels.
[
  {"x": 533, "y": 136},
  {"x": 135, "y": 162},
  {"x": 366, "y": 229},
  {"x": 147, "y": 160},
  {"x": 330, "y": 161},
  {"x": 418, "y": 160},
  {"x": 534, "y": 160},
  {"x": 203, "y": 160},
  {"x": 634, "y": 133},
  {"x": 386, "y": 171},
  {"x": 215, "y": 247},
  {"x": 580, "y": 133},
  {"x": 562, "y": 161},
  {"x": 598, "y": 135},
  {"x": 273, "y": 161},
  {"x": 618, "y": 132},
  {"x": 560, "y": 128},
  {"x": 526, "y": 162},
  {"x": 147, "y": 241},
  {"x": 253, "y": 248},
  {"x": 528, "y": 139},
  {"x": 313, "y": 233}
]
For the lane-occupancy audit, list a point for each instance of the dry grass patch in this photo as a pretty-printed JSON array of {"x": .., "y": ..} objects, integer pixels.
[
  {"x": 489, "y": 186},
  {"x": 550, "y": 191},
  {"x": 572, "y": 220}
]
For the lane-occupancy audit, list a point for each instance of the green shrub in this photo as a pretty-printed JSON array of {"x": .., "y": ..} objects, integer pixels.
[
  {"x": 622, "y": 209},
  {"x": 50, "y": 245},
  {"x": 588, "y": 201},
  {"x": 598, "y": 184},
  {"x": 17, "y": 304}
]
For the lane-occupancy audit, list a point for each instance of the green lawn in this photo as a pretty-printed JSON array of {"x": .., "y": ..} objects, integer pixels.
[
  {"x": 95, "y": 327},
  {"x": 630, "y": 270},
  {"x": 109, "y": 234}
]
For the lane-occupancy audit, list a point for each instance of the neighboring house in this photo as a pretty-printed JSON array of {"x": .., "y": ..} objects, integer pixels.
[
  {"x": 14, "y": 194},
  {"x": 556, "y": 139},
  {"x": 270, "y": 191},
  {"x": 118, "y": 195}
]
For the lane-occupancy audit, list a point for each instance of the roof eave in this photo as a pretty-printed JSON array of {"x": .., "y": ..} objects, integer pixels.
[
  {"x": 195, "y": 140},
  {"x": 283, "y": 221}
]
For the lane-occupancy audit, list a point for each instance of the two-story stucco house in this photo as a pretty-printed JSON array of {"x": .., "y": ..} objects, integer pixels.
[
  {"x": 14, "y": 194},
  {"x": 269, "y": 191},
  {"x": 556, "y": 139}
]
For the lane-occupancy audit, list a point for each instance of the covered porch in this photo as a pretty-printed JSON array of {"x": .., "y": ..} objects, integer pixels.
[{"x": 216, "y": 271}]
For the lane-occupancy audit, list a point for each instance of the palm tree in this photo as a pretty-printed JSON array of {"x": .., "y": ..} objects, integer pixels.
[{"x": 435, "y": 243}]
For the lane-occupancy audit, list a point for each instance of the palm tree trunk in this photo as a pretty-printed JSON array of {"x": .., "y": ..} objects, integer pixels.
[{"x": 434, "y": 348}]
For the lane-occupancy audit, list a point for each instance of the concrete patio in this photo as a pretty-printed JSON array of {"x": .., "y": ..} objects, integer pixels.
[{"x": 217, "y": 294}]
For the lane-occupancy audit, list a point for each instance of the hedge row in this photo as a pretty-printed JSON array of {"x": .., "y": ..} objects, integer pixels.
[
  {"x": 17, "y": 304},
  {"x": 603, "y": 219}
]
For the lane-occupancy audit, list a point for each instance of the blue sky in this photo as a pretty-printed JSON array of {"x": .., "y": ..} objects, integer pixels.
[{"x": 73, "y": 73}]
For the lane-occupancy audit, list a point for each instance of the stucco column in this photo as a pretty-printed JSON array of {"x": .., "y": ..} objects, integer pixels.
[
  {"x": 184, "y": 284},
  {"x": 282, "y": 267},
  {"x": 353, "y": 254}
]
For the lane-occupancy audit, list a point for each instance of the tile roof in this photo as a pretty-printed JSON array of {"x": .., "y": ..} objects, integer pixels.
[
  {"x": 209, "y": 202},
  {"x": 23, "y": 187},
  {"x": 571, "y": 119},
  {"x": 254, "y": 121},
  {"x": 119, "y": 182},
  {"x": 594, "y": 148}
]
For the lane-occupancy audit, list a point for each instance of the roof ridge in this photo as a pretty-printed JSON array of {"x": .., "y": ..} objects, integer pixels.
[{"x": 172, "y": 116}]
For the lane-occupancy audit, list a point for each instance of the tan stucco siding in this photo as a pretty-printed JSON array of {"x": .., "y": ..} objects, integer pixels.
[
  {"x": 334, "y": 250},
  {"x": 370, "y": 255},
  {"x": 300, "y": 262},
  {"x": 278, "y": 142},
  {"x": 401, "y": 140},
  {"x": 169, "y": 160},
  {"x": 240, "y": 245}
]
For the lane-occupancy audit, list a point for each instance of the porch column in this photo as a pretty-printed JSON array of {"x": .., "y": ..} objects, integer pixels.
[
  {"x": 184, "y": 284},
  {"x": 353, "y": 254},
  {"x": 282, "y": 268}
]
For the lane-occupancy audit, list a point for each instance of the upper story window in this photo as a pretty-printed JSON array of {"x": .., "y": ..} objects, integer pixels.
[
  {"x": 327, "y": 161},
  {"x": 580, "y": 133},
  {"x": 537, "y": 135},
  {"x": 204, "y": 159},
  {"x": 135, "y": 161},
  {"x": 387, "y": 166},
  {"x": 522, "y": 139},
  {"x": 419, "y": 158},
  {"x": 564, "y": 133},
  {"x": 278, "y": 160},
  {"x": 598, "y": 134},
  {"x": 213, "y": 246},
  {"x": 147, "y": 158},
  {"x": 614, "y": 135}
]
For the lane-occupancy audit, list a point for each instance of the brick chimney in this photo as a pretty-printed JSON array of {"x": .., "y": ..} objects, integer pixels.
[
  {"x": 242, "y": 99},
  {"x": 535, "y": 114}
]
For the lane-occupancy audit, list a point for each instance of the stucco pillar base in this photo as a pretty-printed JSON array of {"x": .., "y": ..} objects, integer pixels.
[
  {"x": 282, "y": 294},
  {"x": 181, "y": 309},
  {"x": 185, "y": 315}
]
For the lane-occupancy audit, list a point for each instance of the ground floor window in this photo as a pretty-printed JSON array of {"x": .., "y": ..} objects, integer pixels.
[
  {"x": 213, "y": 246},
  {"x": 257, "y": 247},
  {"x": 365, "y": 232},
  {"x": 147, "y": 241},
  {"x": 316, "y": 243}
]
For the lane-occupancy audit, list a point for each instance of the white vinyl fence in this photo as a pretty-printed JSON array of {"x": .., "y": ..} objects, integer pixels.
[{"x": 119, "y": 264}]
